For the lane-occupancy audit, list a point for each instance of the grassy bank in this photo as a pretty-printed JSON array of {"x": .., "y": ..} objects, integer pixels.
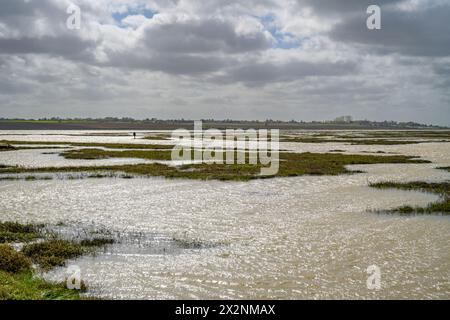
[
  {"x": 6, "y": 147},
  {"x": 291, "y": 164},
  {"x": 87, "y": 144},
  {"x": 440, "y": 188},
  {"x": 95, "y": 154},
  {"x": 350, "y": 141},
  {"x": 17, "y": 278}
]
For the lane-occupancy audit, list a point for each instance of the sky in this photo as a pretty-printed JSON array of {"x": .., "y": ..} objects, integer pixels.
[{"x": 226, "y": 59}]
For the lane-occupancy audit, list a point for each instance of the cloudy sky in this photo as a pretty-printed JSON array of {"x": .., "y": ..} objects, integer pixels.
[{"x": 252, "y": 59}]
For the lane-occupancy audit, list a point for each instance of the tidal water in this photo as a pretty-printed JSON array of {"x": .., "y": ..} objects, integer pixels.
[{"x": 307, "y": 237}]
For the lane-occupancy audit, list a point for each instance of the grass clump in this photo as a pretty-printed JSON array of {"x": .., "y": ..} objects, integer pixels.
[
  {"x": 6, "y": 147},
  {"x": 17, "y": 280},
  {"x": 52, "y": 253},
  {"x": 16, "y": 232},
  {"x": 95, "y": 154},
  {"x": 97, "y": 242},
  {"x": 25, "y": 286},
  {"x": 12, "y": 261},
  {"x": 440, "y": 188}
]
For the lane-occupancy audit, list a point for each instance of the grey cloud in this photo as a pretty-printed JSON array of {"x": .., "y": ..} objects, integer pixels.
[
  {"x": 344, "y": 7},
  {"x": 202, "y": 36},
  {"x": 69, "y": 46},
  {"x": 171, "y": 63},
  {"x": 425, "y": 32},
  {"x": 257, "y": 74}
]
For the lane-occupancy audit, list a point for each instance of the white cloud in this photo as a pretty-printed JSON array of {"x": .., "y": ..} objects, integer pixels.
[{"x": 303, "y": 59}]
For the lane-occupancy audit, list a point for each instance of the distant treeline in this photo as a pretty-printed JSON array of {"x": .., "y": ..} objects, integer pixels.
[{"x": 126, "y": 123}]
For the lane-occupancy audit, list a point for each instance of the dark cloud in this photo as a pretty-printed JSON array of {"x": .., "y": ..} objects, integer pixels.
[
  {"x": 256, "y": 74},
  {"x": 344, "y": 7},
  {"x": 425, "y": 32},
  {"x": 202, "y": 36},
  {"x": 69, "y": 46}
]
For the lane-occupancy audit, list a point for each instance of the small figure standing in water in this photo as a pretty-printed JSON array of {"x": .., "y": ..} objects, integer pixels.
[{"x": 134, "y": 135}]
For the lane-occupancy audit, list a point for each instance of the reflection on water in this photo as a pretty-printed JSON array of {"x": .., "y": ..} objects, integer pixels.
[{"x": 290, "y": 238}]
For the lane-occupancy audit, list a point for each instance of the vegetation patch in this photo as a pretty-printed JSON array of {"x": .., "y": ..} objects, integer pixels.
[
  {"x": 351, "y": 141},
  {"x": 12, "y": 261},
  {"x": 156, "y": 137},
  {"x": 26, "y": 286},
  {"x": 440, "y": 188},
  {"x": 291, "y": 164},
  {"x": 15, "y": 232},
  {"x": 54, "y": 253},
  {"x": 6, "y": 147},
  {"x": 89, "y": 144},
  {"x": 17, "y": 280},
  {"x": 95, "y": 154}
]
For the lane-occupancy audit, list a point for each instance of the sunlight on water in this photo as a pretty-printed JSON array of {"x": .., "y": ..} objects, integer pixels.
[{"x": 290, "y": 238}]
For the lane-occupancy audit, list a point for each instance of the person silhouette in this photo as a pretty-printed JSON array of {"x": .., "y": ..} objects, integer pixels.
[{"x": 134, "y": 135}]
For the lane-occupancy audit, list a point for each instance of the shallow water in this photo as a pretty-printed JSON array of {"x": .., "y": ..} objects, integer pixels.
[{"x": 285, "y": 238}]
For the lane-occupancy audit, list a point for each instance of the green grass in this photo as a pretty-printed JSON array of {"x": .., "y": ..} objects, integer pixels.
[
  {"x": 440, "y": 188},
  {"x": 15, "y": 232},
  {"x": 12, "y": 261},
  {"x": 89, "y": 144},
  {"x": 55, "y": 252},
  {"x": 26, "y": 286},
  {"x": 95, "y": 154},
  {"x": 52, "y": 253},
  {"x": 350, "y": 141},
  {"x": 157, "y": 137},
  {"x": 291, "y": 164},
  {"x": 17, "y": 280}
]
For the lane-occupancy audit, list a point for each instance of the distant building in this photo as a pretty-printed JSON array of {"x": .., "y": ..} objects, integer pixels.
[{"x": 344, "y": 119}]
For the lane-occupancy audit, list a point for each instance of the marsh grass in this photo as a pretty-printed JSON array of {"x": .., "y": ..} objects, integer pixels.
[
  {"x": 15, "y": 232},
  {"x": 290, "y": 165},
  {"x": 17, "y": 279},
  {"x": 440, "y": 188},
  {"x": 89, "y": 144},
  {"x": 350, "y": 141},
  {"x": 95, "y": 154},
  {"x": 12, "y": 261},
  {"x": 26, "y": 286},
  {"x": 6, "y": 147},
  {"x": 52, "y": 253},
  {"x": 55, "y": 252},
  {"x": 157, "y": 137}
]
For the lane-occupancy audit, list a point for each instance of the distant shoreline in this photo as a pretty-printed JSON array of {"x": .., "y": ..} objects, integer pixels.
[{"x": 174, "y": 124}]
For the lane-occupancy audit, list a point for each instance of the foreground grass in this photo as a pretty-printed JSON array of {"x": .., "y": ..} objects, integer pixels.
[
  {"x": 440, "y": 188},
  {"x": 17, "y": 280},
  {"x": 290, "y": 165},
  {"x": 25, "y": 286}
]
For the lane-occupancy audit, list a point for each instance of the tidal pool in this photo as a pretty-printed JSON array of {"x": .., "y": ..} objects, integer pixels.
[{"x": 305, "y": 237}]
